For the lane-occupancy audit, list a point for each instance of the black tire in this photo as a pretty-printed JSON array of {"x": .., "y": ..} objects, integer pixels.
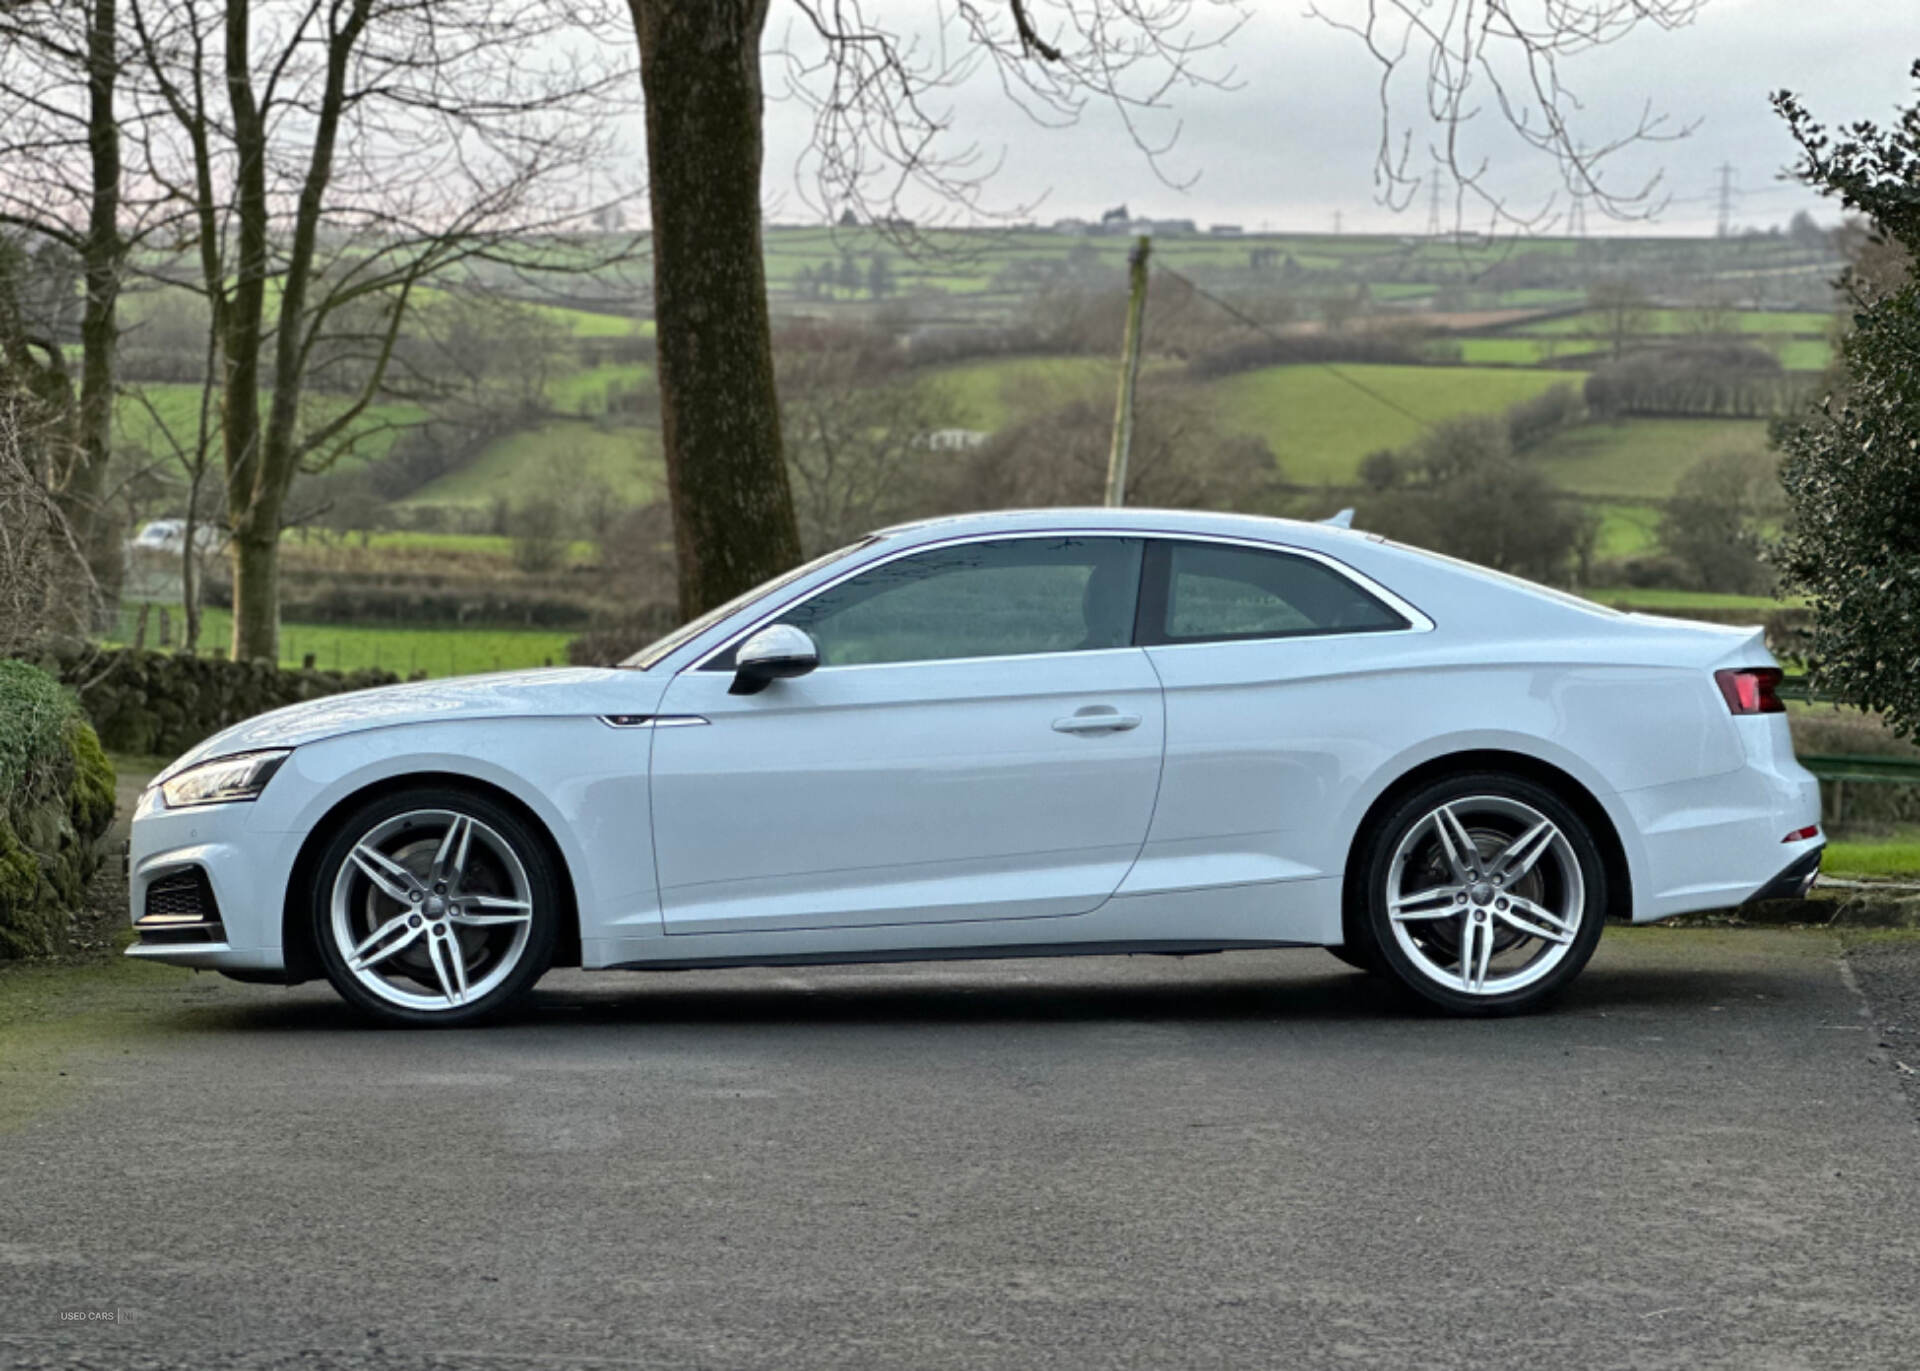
[
  {"x": 1359, "y": 955},
  {"x": 406, "y": 822},
  {"x": 1569, "y": 881}
]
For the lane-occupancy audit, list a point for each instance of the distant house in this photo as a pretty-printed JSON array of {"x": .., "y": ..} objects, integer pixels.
[
  {"x": 1225, "y": 230},
  {"x": 951, "y": 439},
  {"x": 1071, "y": 226}
]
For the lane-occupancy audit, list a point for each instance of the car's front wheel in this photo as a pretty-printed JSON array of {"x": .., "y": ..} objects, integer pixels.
[
  {"x": 434, "y": 906},
  {"x": 1485, "y": 893}
]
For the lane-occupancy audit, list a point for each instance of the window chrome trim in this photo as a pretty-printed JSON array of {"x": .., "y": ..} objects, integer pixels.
[{"x": 1417, "y": 620}]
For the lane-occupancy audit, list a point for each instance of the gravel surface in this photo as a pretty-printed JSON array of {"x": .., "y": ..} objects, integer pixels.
[{"x": 1703, "y": 1158}]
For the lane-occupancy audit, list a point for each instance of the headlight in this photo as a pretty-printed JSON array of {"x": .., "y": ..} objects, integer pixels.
[{"x": 222, "y": 780}]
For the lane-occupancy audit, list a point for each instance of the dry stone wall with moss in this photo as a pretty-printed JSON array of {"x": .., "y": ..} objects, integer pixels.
[{"x": 162, "y": 703}]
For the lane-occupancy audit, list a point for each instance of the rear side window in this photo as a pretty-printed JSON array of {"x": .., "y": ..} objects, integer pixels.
[{"x": 1214, "y": 592}]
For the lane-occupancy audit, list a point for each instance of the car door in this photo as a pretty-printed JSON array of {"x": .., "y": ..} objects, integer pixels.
[
  {"x": 981, "y": 740},
  {"x": 1281, "y": 688}
]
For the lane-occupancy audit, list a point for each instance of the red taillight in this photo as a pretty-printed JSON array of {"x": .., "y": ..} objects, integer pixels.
[
  {"x": 1801, "y": 835},
  {"x": 1750, "y": 689}
]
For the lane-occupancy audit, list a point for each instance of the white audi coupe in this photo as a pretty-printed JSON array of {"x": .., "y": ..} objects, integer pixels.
[{"x": 1008, "y": 735}]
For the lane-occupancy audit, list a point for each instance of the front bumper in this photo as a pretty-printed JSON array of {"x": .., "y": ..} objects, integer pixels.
[
  {"x": 243, "y": 870},
  {"x": 1794, "y": 880}
]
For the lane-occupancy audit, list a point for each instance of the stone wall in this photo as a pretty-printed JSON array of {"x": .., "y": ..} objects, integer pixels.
[{"x": 162, "y": 703}]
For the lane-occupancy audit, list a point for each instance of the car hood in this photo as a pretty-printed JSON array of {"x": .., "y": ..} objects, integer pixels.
[{"x": 552, "y": 693}]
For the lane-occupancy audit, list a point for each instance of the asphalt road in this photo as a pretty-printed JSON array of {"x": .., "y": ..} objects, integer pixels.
[{"x": 1704, "y": 1158}]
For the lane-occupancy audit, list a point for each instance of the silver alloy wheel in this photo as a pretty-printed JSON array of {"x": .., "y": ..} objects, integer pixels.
[
  {"x": 431, "y": 910},
  {"x": 1485, "y": 895}
]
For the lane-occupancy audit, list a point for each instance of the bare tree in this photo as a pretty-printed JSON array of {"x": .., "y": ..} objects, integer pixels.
[
  {"x": 61, "y": 179},
  {"x": 335, "y": 156},
  {"x": 191, "y": 450},
  {"x": 44, "y": 583},
  {"x": 1624, "y": 309},
  {"x": 876, "y": 136},
  {"x": 1442, "y": 64},
  {"x": 861, "y": 432},
  {"x": 38, "y": 554}
]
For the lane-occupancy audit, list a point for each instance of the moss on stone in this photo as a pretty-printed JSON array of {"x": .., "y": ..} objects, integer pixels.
[
  {"x": 56, "y": 803},
  {"x": 24, "y": 927},
  {"x": 93, "y": 797}
]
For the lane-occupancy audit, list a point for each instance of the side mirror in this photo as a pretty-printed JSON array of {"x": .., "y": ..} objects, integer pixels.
[{"x": 777, "y": 652}]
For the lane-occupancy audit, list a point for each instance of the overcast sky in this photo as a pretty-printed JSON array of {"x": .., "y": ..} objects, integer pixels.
[{"x": 1294, "y": 142}]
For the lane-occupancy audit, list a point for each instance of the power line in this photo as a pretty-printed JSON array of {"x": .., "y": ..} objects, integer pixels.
[{"x": 1254, "y": 323}]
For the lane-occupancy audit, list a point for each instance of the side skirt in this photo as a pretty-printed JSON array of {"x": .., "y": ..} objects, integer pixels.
[{"x": 1156, "y": 948}]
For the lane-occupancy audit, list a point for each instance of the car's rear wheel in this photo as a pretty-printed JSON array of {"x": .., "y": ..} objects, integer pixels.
[
  {"x": 434, "y": 906},
  {"x": 1485, "y": 893}
]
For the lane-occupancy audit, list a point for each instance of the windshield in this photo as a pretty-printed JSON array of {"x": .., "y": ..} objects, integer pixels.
[{"x": 693, "y": 628}]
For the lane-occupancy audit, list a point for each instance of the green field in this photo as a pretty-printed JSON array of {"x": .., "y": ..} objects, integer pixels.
[
  {"x": 993, "y": 393},
  {"x": 1511, "y": 352},
  {"x": 493, "y": 545},
  {"x": 351, "y": 647},
  {"x": 582, "y": 323},
  {"x": 557, "y": 459},
  {"x": 1593, "y": 324},
  {"x": 1642, "y": 457},
  {"x": 1320, "y": 425},
  {"x": 1627, "y": 530},
  {"x": 1804, "y": 354},
  {"x": 150, "y": 411},
  {"x": 584, "y": 391}
]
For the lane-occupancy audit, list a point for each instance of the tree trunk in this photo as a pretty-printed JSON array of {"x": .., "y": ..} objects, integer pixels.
[
  {"x": 733, "y": 519},
  {"x": 253, "y": 504},
  {"x": 99, "y": 330},
  {"x": 256, "y": 595}
]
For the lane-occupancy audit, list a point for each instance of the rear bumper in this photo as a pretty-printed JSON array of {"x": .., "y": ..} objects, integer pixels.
[
  {"x": 1794, "y": 881},
  {"x": 1712, "y": 842}
]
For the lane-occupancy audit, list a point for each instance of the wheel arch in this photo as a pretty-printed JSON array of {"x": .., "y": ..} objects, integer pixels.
[
  {"x": 302, "y": 958},
  {"x": 1613, "y": 853}
]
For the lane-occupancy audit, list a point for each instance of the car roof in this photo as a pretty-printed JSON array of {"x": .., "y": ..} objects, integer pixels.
[{"x": 1103, "y": 519}]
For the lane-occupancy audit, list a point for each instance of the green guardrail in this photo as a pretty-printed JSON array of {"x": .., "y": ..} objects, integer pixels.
[
  {"x": 1887, "y": 770},
  {"x": 1833, "y": 767}
]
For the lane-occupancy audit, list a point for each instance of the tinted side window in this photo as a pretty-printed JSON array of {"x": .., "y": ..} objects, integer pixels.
[
  {"x": 1006, "y": 597},
  {"x": 1218, "y": 592}
]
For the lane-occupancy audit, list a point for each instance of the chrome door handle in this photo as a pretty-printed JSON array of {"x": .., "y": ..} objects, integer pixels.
[{"x": 1106, "y": 721}]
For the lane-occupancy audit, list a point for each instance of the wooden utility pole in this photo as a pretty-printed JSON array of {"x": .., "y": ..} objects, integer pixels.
[{"x": 1129, "y": 373}]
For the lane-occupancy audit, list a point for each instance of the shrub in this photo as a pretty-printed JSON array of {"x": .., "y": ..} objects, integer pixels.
[
  {"x": 56, "y": 803},
  {"x": 1851, "y": 543},
  {"x": 1711, "y": 380},
  {"x": 539, "y": 531},
  {"x": 1532, "y": 422},
  {"x": 1714, "y": 523},
  {"x": 1462, "y": 492}
]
